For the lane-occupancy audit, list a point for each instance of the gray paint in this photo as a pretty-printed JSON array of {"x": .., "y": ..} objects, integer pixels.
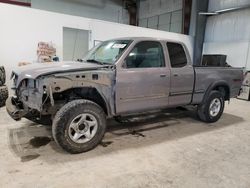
[
  {"x": 205, "y": 77},
  {"x": 32, "y": 71},
  {"x": 124, "y": 91}
]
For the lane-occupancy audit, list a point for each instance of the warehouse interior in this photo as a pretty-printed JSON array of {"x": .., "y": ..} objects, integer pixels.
[{"x": 145, "y": 142}]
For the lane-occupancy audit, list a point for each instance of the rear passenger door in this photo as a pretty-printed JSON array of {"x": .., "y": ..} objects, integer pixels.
[{"x": 182, "y": 75}]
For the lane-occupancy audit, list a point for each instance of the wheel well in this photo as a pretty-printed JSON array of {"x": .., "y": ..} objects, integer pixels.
[
  {"x": 87, "y": 93},
  {"x": 93, "y": 95},
  {"x": 224, "y": 90}
]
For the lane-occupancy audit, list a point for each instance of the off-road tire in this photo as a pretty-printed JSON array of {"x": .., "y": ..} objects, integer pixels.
[
  {"x": 203, "y": 109},
  {"x": 2, "y": 76},
  {"x": 63, "y": 119},
  {"x": 3, "y": 95}
]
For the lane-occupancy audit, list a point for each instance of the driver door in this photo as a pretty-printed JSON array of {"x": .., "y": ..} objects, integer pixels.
[{"x": 143, "y": 82}]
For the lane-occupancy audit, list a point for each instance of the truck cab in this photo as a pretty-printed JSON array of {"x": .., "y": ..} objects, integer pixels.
[{"x": 153, "y": 74}]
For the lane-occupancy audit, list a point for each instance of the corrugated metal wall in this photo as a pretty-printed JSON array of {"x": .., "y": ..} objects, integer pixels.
[
  {"x": 225, "y": 4},
  {"x": 229, "y": 33},
  {"x": 229, "y": 27}
]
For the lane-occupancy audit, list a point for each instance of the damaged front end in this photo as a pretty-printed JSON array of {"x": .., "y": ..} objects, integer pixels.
[
  {"x": 15, "y": 108},
  {"x": 46, "y": 94},
  {"x": 28, "y": 97}
]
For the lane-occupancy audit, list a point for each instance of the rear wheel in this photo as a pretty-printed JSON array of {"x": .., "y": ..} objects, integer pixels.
[
  {"x": 79, "y": 126},
  {"x": 213, "y": 108}
]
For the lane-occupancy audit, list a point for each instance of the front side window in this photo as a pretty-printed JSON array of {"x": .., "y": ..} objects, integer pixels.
[
  {"x": 107, "y": 52},
  {"x": 145, "y": 54},
  {"x": 177, "y": 55}
]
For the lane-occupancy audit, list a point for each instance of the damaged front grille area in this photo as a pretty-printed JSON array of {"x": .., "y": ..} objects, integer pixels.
[{"x": 28, "y": 93}]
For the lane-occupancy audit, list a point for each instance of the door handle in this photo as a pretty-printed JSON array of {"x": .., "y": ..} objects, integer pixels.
[
  {"x": 163, "y": 75},
  {"x": 175, "y": 75}
]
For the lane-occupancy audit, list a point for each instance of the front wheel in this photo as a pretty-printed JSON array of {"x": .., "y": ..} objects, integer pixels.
[
  {"x": 213, "y": 108},
  {"x": 79, "y": 126}
]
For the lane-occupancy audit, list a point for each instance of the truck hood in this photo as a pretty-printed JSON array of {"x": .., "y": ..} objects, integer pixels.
[{"x": 32, "y": 71}]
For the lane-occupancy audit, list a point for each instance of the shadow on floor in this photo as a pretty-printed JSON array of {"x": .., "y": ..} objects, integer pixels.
[{"x": 32, "y": 141}]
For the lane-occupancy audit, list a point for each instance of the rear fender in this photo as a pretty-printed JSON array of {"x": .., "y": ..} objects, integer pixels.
[{"x": 214, "y": 86}]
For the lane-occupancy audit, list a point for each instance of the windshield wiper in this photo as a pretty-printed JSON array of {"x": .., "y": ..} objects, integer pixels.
[{"x": 94, "y": 61}]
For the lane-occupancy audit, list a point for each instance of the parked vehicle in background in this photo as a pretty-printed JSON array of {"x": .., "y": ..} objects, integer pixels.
[
  {"x": 118, "y": 78},
  {"x": 245, "y": 88},
  {"x": 3, "y": 88},
  {"x": 2, "y": 76}
]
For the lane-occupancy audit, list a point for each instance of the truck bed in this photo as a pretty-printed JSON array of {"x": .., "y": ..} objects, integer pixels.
[{"x": 206, "y": 76}]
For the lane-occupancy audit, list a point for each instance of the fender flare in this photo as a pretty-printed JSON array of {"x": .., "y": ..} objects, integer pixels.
[
  {"x": 109, "y": 112},
  {"x": 212, "y": 86},
  {"x": 104, "y": 98}
]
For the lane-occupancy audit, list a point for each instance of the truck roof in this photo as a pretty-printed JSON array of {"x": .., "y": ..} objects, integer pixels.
[
  {"x": 134, "y": 38},
  {"x": 183, "y": 42}
]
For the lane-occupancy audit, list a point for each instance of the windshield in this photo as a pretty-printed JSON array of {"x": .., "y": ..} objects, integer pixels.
[{"x": 107, "y": 52}]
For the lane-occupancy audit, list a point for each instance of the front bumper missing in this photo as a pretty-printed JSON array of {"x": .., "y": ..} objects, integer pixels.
[{"x": 13, "y": 110}]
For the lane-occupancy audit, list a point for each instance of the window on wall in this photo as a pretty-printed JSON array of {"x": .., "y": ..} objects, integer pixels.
[
  {"x": 171, "y": 21},
  {"x": 146, "y": 54},
  {"x": 166, "y": 15},
  {"x": 177, "y": 55}
]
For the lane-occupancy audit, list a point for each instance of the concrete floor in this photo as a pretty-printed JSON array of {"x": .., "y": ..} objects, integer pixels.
[{"x": 167, "y": 150}]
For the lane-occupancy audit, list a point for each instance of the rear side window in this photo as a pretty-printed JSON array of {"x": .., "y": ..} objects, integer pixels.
[{"x": 177, "y": 55}]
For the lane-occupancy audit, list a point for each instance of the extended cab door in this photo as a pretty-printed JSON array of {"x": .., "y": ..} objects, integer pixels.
[
  {"x": 182, "y": 75},
  {"x": 143, "y": 80}
]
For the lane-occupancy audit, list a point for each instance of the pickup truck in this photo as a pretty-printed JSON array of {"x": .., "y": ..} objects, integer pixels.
[{"x": 117, "y": 78}]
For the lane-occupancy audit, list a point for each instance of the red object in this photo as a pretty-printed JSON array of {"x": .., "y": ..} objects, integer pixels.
[{"x": 16, "y": 3}]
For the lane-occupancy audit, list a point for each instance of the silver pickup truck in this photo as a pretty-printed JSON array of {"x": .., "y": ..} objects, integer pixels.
[{"x": 117, "y": 78}]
